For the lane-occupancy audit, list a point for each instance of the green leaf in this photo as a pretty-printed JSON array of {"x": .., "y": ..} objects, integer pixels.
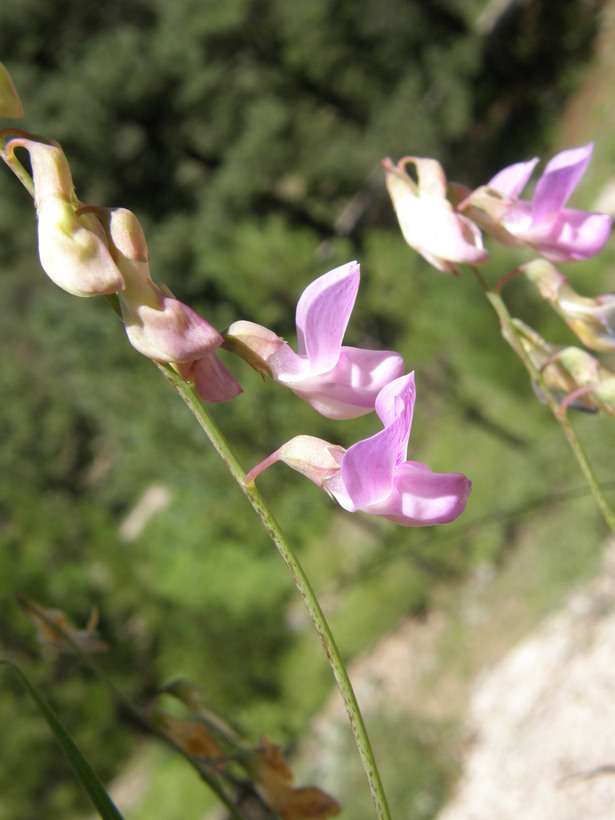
[{"x": 85, "y": 773}]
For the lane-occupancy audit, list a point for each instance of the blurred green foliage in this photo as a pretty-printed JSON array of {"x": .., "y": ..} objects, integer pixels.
[{"x": 246, "y": 135}]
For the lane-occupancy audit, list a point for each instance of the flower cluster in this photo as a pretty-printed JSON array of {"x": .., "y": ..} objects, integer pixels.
[
  {"x": 94, "y": 251},
  {"x": 91, "y": 251},
  {"x": 344, "y": 382},
  {"x": 447, "y": 235},
  {"x": 443, "y": 223}
]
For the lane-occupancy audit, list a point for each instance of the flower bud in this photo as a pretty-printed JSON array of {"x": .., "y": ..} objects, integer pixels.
[
  {"x": 570, "y": 373},
  {"x": 605, "y": 395},
  {"x": 10, "y": 104},
  {"x": 158, "y": 325},
  {"x": 591, "y": 319},
  {"x": 71, "y": 245}
]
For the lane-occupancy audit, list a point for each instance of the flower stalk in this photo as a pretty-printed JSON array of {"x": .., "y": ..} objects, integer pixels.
[
  {"x": 511, "y": 333},
  {"x": 215, "y": 436}
]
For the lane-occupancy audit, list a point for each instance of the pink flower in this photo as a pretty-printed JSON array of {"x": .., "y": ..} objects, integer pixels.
[
  {"x": 559, "y": 234},
  {"x": 373, "y": 475},
  {"x": 427, "y": 219},
  {"x": 340, "y": 382}
]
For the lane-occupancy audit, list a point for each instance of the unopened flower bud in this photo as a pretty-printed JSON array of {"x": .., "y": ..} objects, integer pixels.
[
  {"x": 574, "y": 376},
  {"x": 158, "y": 325},
  {"x": 605, "y": 395},
  {"x": 72, "y": 246},
  {"x": 591, "y": 319},
  {"x": 10, "y": 104}
]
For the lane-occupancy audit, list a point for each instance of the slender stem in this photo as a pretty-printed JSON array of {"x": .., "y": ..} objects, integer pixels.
[
  {"x": 302, "y": 583},
  {"x": 577, "y": 448},
  {"x": 11, "y": 160},
  {"x": 137, "y": 713}
]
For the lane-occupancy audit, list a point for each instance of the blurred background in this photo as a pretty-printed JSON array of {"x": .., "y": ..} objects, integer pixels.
[{"x": 247, "y": 137}]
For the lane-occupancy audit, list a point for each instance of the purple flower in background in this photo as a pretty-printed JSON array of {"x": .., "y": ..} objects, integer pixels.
[
  {"x": 373, "y": 475},
  {"x": 340, "y": 382},
  {"x": 559, "y": 234}
]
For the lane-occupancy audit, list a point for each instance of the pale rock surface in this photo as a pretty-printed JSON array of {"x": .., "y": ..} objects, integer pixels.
[{"x": 541, "y": 723}]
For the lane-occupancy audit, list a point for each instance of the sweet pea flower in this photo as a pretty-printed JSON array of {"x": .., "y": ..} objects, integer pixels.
[
  {"x": 591, "y": 319},
  {"x": 427, "y": 219},
  {"x": 559, "y": 234},
  {"x": 72, "y": 246},
  {"x": 160, "y": 326},
  {"x": 340, "y": 382},
  {"x": 373, "y": 475},
  {"x": 10, "y": 104}
]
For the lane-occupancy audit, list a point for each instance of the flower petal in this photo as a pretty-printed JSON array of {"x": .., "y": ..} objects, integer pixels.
[
  {"x": 322, "y": 315},
  {"x": 561, "y": 176},
  {"x": 172, "y": 333},
  {"x": 71, "y": 254},
  {"x": 212, "y": 381},
  {"x": 574, "y": 236},
  {"x": 350, "y": 388},
  {"x": 367, "y": 469},
  {"x": 428, "y": 221},
  {"x": 512, "y": 180},
  {"x": 367, "y": 466},
  {"x": 421, "y": 497}
]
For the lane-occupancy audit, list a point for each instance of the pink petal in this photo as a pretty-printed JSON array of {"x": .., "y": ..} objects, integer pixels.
[
  {"x": 173, "y": 333},
  {"x": 322, "y": 315},
  {"x": 421, "y": 497},
  {"x": 288, "y": 367},
  {"x": 574, "y": 236},
  {"x": 396, "y": 398},
  {"x": 367, "y": 468},
  {"x": 512, "y": 180},
  {"x": 560, "y": 178},
  {"x": 212, "y": 381},
  {"x": 442, "y": 236},
  {"x": 350, "y": 388}
]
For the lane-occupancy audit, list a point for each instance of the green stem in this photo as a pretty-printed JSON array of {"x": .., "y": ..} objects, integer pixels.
[
  {"x": 138, "y": 714},
  {"x": 302, "y": 583},
  {"x": 11, "y": 160},
  {"x": 512, "y": 334},
  {"x": 82, "y": 769}
]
